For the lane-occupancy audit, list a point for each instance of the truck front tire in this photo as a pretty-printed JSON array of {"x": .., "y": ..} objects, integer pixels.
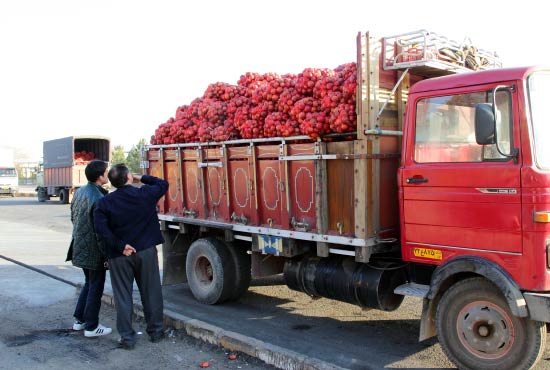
[
  {"x": 42, "y": 195},
  {"x": 477, "y": 330},
  {"x": 64, "y": 196},
  {"x": 210, "y": 271}
]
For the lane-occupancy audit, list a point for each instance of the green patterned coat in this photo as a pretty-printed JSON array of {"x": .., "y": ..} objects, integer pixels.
[{"x": 87, "y": 251}]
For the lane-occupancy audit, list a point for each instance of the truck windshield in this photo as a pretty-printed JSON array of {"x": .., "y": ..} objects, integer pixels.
[
  {"x": 7, "y": 172},
  {"x": 539, "y": 96}
]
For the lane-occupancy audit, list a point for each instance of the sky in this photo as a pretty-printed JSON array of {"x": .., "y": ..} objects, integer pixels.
[{"x": 119, "y": 68}]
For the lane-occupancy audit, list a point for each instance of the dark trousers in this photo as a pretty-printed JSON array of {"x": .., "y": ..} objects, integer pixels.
[
  {"x": 89, "y": 301},
  {"x": 142, "y": 266}
]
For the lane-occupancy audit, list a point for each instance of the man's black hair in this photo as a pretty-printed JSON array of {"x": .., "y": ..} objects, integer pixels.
[
  {"x": 118, "y": 175},
  {"x": 95, "y": 169}
]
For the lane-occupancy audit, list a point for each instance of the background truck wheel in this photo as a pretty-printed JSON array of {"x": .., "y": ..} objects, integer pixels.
[
  {"x": 242, "y": 270},
  {"x": 210, "y": 271},
  {"x": 478, "y": 331},
  {"x": 64, "y": 196},
  {"x": 42, "y": 195}
]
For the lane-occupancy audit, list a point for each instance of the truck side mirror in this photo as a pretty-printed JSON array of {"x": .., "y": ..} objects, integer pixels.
[{"x": 485, "y": 124}]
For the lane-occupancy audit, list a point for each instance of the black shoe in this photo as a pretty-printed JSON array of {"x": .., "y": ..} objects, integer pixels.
[
  {"x": 125, "y": 344},
  {"x": 156, "y": 338}
]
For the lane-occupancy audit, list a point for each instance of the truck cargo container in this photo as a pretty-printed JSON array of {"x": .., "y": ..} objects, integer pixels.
[
  {"x": 443, "y": 194},
  {"x": 63, "y": 169}
]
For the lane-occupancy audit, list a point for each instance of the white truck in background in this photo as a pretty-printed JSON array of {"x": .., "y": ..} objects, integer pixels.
[{"x": 9, "y": 181}]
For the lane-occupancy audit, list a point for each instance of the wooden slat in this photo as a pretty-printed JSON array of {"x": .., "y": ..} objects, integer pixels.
[
  {"x": 341, "y": 191},
  {"x": 202, "y": 181},
  {"x": 321, "y": 201},
  {"x": 361, "y": 187}
]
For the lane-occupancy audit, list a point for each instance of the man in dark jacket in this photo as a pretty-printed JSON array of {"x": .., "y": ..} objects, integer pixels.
[
  {"x": 127, "y": 220},
  {"x": 87, "y": 251}
]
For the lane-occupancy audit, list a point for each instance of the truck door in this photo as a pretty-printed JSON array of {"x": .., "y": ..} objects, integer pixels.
[{"x": 459, "y": 197}]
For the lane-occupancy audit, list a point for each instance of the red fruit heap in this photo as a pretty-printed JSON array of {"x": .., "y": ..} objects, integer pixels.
[
  {"x": 314, "y": 103},
  {"x": 83, "y": 157}
]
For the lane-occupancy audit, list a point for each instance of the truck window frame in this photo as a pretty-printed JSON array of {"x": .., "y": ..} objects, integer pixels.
[
  {"x": 535, "y": 125},
  {"x": 461, "y": 146}
]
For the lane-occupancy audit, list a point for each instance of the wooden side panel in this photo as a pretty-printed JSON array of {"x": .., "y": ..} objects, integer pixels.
[
  {"x": 193, "y": 192},
  {"x": 172, "y": 173},
  {"x": 216, "y": 193},
  {"x": 78, "y": 176},
  {"x": 271, "y": 201},
  {"x": 155, "y": 169},
  {"x": 241, "y": 191},
  {"x": 61, "y": 176},
  {"x": 340, "y": 190},
  {"x": 302, "y": 188},
  {"x": 302, "y": 194},
  {"x": 215, "y": 190}
]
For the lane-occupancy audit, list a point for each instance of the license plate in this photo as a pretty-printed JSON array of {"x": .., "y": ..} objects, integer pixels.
[{"x": 433, "y": 254}]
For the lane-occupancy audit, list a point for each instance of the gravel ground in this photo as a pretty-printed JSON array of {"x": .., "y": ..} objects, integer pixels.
[{"x": 36, "y": 333}]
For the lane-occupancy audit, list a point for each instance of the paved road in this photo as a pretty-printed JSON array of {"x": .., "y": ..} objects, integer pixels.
[
  {"x": 338, "y": 333},
  {"x": 36, "y": 333}
]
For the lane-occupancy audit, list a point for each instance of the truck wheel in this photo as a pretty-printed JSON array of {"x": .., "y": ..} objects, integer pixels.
[
  {"x": 210, "y": 271},
  {"x": 477, "y": 330},
  {"x": 42, "y": 196},
  {"x": 64, "y": 196},
  {"x": 242, "y": 270}
]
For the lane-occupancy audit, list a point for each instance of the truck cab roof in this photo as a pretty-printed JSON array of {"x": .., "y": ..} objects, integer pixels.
[{"x": 473, "y": 78}]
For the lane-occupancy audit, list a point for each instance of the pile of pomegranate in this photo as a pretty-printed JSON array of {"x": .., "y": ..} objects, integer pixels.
[
  {"x": 83, "y": 157},
  {"x": 314, "y": 102}
]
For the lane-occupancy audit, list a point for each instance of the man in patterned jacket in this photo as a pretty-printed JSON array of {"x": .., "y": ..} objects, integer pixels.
[{"x": 87, "y": 251}]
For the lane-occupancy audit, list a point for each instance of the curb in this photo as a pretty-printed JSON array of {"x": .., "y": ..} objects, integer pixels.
[
  {"x": 18, "y": 195},
  {"x": 270, "y": 354}
]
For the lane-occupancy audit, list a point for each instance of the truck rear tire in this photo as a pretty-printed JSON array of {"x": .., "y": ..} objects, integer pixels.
[
  {"x": 64, "y": 196},
  {"x": 477, "y": 330},
  {"x": 243, "y": 274},
  {"x": 210, "y": 271}
]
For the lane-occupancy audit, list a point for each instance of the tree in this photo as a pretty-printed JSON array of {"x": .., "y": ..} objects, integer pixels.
[
  {"x": 134, "y": 157},
  {"x": 117, "y": 156}
]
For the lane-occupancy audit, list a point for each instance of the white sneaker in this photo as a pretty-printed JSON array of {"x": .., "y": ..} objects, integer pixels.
[
  {"x": 98, "y": 332},
  {"x": 79, "y": 325}
]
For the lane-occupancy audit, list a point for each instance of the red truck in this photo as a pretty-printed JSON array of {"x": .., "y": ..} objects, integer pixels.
[
  {"x": 64, "y": 161},
  {"x": 443, "y": 194}
]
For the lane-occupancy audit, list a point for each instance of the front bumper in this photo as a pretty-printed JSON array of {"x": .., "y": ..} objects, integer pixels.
[{"x": 7, "y": 190}]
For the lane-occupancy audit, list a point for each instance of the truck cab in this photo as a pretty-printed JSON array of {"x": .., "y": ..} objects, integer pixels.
[
  {"x": 475, "y": 202},
  {"x": 479, "y": 187}
]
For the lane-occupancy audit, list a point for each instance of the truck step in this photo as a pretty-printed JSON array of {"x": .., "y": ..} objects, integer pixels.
[{"x": 413, "y": 289}]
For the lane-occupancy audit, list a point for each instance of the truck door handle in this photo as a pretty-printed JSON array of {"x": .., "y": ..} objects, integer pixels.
[{"x": 416, "y": 180}]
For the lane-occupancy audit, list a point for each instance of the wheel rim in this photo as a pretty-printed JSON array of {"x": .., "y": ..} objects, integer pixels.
[
  {"x": 485, "y": 330},
  {"x": 204, "y": 271}
]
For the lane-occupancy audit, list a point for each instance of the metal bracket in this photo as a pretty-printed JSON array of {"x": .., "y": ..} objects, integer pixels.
[
  {"x": 392, "y": 93},
  {"x": 379, "y": 132},
  {"x": 239, "y": 219},
  {"x": 299, "y": 226},
  {"x": 209, "y": 164},
  {"x": 190, "y": 213}
]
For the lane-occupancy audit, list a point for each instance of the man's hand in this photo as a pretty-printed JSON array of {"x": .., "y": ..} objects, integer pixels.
[
  {"x": 136, "y": 177},
  {"x": 128, "y": 250}
]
